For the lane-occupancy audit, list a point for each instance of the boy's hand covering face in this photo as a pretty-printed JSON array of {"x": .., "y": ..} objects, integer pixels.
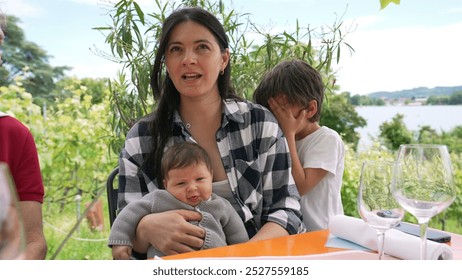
[{"x": 291, "y": 118}]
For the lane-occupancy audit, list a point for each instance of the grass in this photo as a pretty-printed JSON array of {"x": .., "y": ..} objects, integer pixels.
[{"x": 84, "y": 243}]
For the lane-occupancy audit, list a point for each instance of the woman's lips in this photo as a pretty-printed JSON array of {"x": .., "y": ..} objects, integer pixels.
[{"x": 190, "y": 77}]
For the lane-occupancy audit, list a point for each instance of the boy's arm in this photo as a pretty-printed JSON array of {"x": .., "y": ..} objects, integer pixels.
[{"x": 305, "y": 178}]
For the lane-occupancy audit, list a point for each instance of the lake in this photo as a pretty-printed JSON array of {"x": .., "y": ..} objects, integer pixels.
[{"x": 440, "y": 118}]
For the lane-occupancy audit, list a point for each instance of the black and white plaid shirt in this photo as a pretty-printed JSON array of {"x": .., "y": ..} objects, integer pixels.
[{"x": 255, "y": 157}]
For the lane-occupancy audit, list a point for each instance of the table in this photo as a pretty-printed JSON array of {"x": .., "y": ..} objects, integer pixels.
[{"x": 310, "y": 245}]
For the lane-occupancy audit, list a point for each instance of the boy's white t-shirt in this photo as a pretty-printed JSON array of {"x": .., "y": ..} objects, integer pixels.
[{"x": 322, "y": 149}]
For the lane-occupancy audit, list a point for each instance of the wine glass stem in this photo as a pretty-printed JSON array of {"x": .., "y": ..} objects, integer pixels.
[
  {"x": 380, "y": 243},
  {"x": 423, "y": 240}
]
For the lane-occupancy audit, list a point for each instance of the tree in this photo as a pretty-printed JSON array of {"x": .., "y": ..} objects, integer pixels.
[
  {"x": 395, "y": 133},
  {"x": 455, "y": 98},
  {"x": 26, "y": 59},
  {"x": 364, "y": 100},
  {"x": 338, "y": 114},
  {"x": 438, "y": 100}
]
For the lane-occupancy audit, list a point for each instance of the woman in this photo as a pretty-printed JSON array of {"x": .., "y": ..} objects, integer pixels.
[{"x": 191, "y": 83}]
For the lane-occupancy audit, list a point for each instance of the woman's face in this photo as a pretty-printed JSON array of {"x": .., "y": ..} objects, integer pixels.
[
  {"x": 191, "y": 184},
  {"x": 194, "y": 60}
]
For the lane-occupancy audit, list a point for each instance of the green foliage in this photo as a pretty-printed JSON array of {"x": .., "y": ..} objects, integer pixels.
[
  {"x": 71, "y": 139},
  {"x": 15, "y": 101},
  {"x": 352, "y": 171},
  {"x": 364, "y": 100},
  {"x": 338, "y": 114},
  {"x": 97, "y": 88},
  {"x": 456, "y": 98},
  {"x": 450, "y": 220},
  {"x": 384, "y": 3},
  {"x": 26, "y": 59},
  {"x": 437, "y": 100},
  {"x": 297, "y": 44},
  {"x": 454, "y": 212},
  {"x": 76, "y": 133},
  {"x": 451, "y": 138},
  {"x": 395, "y": 133},
  {"x": 425, "y": 174},
  {"x": 453, "y": 99}
]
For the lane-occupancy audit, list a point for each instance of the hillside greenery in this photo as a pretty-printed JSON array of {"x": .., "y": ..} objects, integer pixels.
[
  {"x": 433, "y": 96},
  {"x": 419, "y": 92}
]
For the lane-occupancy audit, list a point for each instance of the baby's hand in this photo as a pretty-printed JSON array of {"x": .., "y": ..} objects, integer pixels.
[{"x": 120, "y": 252}]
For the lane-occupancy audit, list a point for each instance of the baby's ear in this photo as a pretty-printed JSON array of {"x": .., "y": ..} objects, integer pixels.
[{"x": 164, "y": 182}]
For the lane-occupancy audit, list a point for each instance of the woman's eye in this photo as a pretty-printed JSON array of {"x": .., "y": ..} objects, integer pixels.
[
  {"x": 203, "y": 47},
  {"x": 175, "y": 49}
]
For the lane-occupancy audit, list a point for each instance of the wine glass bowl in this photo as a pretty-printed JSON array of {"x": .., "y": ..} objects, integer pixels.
[
  {"x": 376, "y": 203},
  {"x": 12, "y": 240},
  {"x": 423, "y": 183}
]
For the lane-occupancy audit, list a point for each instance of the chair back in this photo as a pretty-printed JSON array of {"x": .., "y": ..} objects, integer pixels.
[{"x": 112, "y": 194}]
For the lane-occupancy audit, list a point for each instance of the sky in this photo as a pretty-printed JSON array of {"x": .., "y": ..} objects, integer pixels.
[{"x": 415, "y": 44}]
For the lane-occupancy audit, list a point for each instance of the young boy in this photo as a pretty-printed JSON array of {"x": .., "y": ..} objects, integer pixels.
[
  {"x": 187, "y": 179},
  {"x": 294, "y": 92}
]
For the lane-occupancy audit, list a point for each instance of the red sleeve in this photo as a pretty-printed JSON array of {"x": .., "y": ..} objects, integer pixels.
[{"x": 18, "y": 150}]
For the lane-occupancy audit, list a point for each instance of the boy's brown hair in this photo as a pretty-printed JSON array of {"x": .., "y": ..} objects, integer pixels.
[{"x": 295, "y": 79}]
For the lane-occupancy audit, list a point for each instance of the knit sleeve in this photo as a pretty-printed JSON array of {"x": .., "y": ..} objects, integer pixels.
[
  {"x": 124, "y": 228},
  {"x": 234, "y": 229}
]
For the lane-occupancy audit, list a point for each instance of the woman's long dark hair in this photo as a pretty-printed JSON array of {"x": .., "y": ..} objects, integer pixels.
[{"x": 165, "y": 93}]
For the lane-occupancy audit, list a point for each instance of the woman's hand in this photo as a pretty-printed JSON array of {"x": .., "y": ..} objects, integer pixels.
[{"x": 169, "y": 232}]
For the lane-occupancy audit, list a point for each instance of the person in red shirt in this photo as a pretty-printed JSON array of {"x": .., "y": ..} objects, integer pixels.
[{"x": 18, "y": 150}]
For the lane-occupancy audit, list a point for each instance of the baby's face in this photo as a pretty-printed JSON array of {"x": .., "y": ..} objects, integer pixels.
[{"x": 191, "y": 184}]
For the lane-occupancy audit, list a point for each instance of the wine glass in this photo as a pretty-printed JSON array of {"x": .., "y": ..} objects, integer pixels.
[
  {"x": 376, "y": 204},
  {"x": 423, "y": 183},
  {"x": 12, "y": 239}
]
